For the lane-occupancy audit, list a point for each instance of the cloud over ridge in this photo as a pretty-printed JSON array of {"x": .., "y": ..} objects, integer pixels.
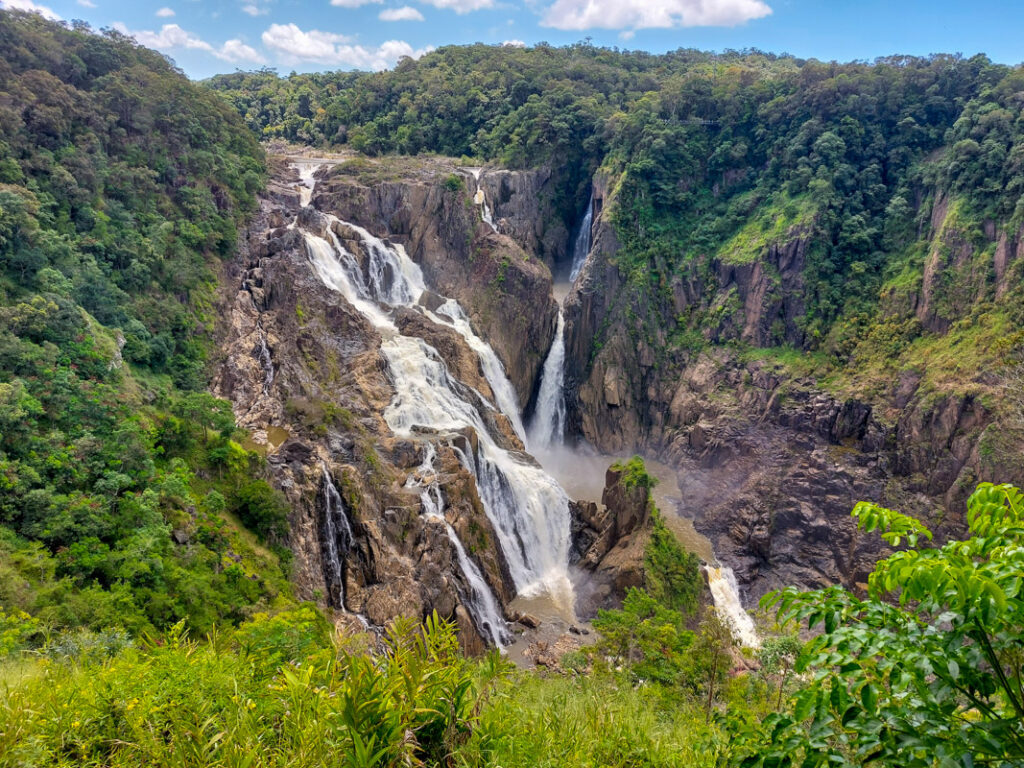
[{"x": 650, "y": 14}]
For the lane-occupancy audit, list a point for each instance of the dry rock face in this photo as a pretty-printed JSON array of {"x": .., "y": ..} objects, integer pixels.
[
  {"x": 306, "y": 376},
  {"x": 770, "y": 465}
]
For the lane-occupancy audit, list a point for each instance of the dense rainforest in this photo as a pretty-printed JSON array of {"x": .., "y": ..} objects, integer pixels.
[
  {"x": 121, "y": 187},
  {"x": 146, "y": 611}
]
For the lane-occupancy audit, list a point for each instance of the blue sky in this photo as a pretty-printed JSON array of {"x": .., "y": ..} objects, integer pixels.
[{"x": 209, "y": 36}]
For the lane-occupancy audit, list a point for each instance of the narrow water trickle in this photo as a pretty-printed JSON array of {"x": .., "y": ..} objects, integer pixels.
[
  {"x": 581, "y": 247},
  {"x": 266, "y": 363},
  {"x": 337, "y": 540}
]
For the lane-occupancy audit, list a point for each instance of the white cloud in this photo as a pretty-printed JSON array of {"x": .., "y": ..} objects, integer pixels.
[
  {"x": 254, "y": 10},
  {"x": 460, "y": 6},
  {"x": 169, "y": 36},
  {"x": 647, "y": 14},
  {"x": 236, "y": 50},
  {"x": 353, "y": 3},
  {"x": 28, "y": 5},
  {"x": 294, "y": 45},
  {"x": 405, "y": 13},
  {"x": 514, "y": 44},
  {"x": 165, "y": 13},
  {"x": 86, "y": 3},
  {"x": 172, "y": 36}
]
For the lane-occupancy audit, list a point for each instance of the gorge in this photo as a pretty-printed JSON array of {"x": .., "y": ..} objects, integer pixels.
[{"x": 449, "y": 394}]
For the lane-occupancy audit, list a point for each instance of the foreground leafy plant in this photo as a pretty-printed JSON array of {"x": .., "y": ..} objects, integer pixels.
[{"x": 927, "y": 670}]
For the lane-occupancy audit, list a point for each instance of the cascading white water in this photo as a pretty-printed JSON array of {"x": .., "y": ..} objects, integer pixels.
[
  {"x": 726, "y": 594},
  {"x": 528, "y": 509},
  {"x": 548, "y": 427},
  {"x": 504, "y": 394},
  {"x": 480, "y": 601},
  {"x": 307, "y": 182},
  {"x": 337, "y": 539},
  {"x": 266, "y": 363},
  {"x": 581, "y": 247}
]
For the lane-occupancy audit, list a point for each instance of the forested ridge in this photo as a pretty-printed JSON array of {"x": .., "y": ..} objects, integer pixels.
[
  {"x": 122, "y": 185},
  {"x": 714, "y": 158}
]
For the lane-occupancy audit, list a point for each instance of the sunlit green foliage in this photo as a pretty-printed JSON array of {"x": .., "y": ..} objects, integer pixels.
[
  {"x": 927, "y": 669},
  {"x": 671, "y": 574},
  {"x": 121, "y": 184},
  {"x": 278, "y": 692}
]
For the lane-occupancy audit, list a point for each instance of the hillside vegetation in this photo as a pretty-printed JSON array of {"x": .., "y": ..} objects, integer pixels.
[
  {"x": 121, "y": 187},
  {"x": 715, "y": 159}
]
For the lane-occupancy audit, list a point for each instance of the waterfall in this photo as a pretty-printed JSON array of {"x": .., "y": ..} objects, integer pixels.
[
  {"x": 526, "y": 506},
  {"x": 547, "y": 430},
  {"x": 266, "y": 363},
  {"x": 480, "y": 602},
  {"x": 337, "y": 540},
  {"x": 548, "y": 427},
  {"x": 581, "y": 247},
  {"x": 726, "y": 595},
  {"x": 504, "y": 393},
  {"x": 479, "y": 198},
  {"x": 306, "y": 181}
]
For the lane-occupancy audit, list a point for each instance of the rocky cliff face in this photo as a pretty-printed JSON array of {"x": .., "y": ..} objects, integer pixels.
[
  {"x": 304, "y": 371},
  {"x": 770, "y": 464}
]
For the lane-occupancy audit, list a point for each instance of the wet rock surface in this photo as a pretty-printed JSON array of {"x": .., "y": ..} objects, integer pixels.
[{"x": 305, "y": 374}]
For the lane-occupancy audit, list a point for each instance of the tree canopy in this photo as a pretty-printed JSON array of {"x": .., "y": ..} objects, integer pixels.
[{"x": 121, "y": 185}]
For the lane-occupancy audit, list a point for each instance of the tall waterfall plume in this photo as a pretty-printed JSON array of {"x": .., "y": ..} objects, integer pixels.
[
  {"x": 581, "y": 247},
  {"x": 548, "y": 427},
  {"x": 526, "y": 506}
]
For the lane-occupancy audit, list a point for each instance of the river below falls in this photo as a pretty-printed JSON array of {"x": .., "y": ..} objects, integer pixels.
[{"x": 582, "y": 476}]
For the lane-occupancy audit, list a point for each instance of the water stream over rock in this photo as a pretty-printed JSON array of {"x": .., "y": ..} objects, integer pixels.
[
  {"x": 337, "y": 540},
  {"x": 526, "y": 506},
  {"x": 581, "y": 248},
  {"x": 480, "y": 601}
]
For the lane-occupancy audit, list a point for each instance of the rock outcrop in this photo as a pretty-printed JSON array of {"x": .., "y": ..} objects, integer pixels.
[{"x": 609, "y": 542}]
